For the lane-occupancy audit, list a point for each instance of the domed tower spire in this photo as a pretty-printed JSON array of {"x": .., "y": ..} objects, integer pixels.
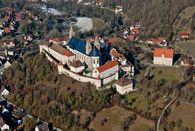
[
  {"x": 97, "y": 43},
  {"x": 71, "y": 32},
  {"x": 88, "y": 47}
]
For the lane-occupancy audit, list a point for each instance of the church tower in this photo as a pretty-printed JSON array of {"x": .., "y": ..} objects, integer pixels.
[
  {"x": 97, "y": 43},
  {"x": 71, "y": 32},
  {"x": 88, "y": 47}
]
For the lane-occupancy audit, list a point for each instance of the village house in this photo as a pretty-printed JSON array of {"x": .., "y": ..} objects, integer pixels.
[
  {"x": 127, "y": 67},
  {"x": 163, "y": 56},
  {"x": 124, "y": 85},
  {"x": 115, "y": 55},
  {"x": 76, "y": 66},
  {"x": 108, "y": 69},
  {"x": 184, "y": 35},
  {"x": 186, "y": 61},
  {"x": 7, "y": 43},
  {"x": 157, "y": 41}
]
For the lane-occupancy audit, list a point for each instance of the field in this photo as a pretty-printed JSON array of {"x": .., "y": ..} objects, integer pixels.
[
  {"x": 170, "y": 74},
  {"x": 115, "y": 117},
  {"x": 187, "y": 47},
  {"x": 142, "y": 104},
  {"x": 185, "y": 112}
]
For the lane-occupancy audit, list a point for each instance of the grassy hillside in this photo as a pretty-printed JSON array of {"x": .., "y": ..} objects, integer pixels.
[{"x": 184, "y": 20}]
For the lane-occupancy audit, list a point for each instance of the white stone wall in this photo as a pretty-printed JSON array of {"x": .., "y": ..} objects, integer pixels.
[
  {"x": 62, "y": 58},
  {"x": 77, "y": 70},
  {"x": 124, "y": 89},
  {"x": 78, "y": 77},
  {"x": 163, "y": 61}
]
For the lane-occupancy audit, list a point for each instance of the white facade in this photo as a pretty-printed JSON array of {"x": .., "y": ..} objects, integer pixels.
[
  {"x": 77, "y": 69},
  {"x": 124, "y": 89},
  {"x": 92, "y": 62},
  {"x": 62, "y": 58},
  {"x": 105, "y": 73},
  {"x": 163, "y": 61}
]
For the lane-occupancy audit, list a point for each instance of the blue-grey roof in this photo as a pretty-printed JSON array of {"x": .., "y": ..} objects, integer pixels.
[{"x": 80, "y": 45}]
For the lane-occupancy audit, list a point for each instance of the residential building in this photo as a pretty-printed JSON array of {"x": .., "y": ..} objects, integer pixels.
[
  {"x": 128, "y": 69},
  {"x": 108, "y": 69},
  {"x": 157, "y": 41},
  {"x": 77, "y": 66},
  {"x": 115, "y": 55},
  {"x": 184, "y": 35},
  {"x": 7, "y": 43},
  {"x": 124, "y": 85},
  {"x": 163, "y": 56}
]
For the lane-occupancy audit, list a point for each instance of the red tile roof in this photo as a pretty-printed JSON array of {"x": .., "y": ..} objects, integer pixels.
[
  {"x": 6, "y": 30},
  {"x": 107, "y": 66},
  {"x": 76, "y": 63},
  {"x": 68, "y": 53},
  {"x": 167, "y": 52},
  {"x": 124, "y": 81},
  {"x": 115, "y": 53},
  {"x": 184, "y": 34},
  {"x": 156, "y": 40}
]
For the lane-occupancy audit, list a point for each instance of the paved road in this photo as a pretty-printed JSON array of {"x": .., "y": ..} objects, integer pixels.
[{"x": 161, "y": 115}]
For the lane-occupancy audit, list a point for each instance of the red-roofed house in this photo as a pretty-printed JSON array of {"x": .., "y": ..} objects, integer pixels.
[
  {"x": 7, "y": 43},
  {"x": 184, "y": 35},
  {"x": 159, "y": 41},
  {"x": 163, "y": 56},
  {"x": 6, "y": 30},
  {"x": 124, "y": 85},
  {"x": 77, "y": 66},
  {"x": 108, "y": 69},
  {"x": 115, "y": 55}
]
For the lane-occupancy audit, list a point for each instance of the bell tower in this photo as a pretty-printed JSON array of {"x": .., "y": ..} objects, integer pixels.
[
  {"x": 88, "y": 47},
  {"x": 97, "y": 43},
  {"x": 71, "y": 32}
]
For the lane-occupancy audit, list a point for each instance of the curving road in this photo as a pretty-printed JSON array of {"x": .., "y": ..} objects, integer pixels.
[{"x": 161, "y": 115}]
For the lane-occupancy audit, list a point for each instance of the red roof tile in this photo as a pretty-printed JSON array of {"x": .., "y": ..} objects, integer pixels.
[
  {"x": 6, "y": 30},
  {"x": 76, "y": 63},
  {"x": 115, "y": 53},
  {"x": 167, "y": 52},
  {"x": 68, "y": 53},
  {"x": 107, "y": 66},
  {"x": 124, "y": 81},
  {"x": 184, "y": 34}
]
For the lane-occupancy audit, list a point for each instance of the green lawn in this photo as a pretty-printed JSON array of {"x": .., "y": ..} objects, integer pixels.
[{"x": 168, "y": 73}]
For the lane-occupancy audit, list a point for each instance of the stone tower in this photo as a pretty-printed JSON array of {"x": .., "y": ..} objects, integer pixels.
[
  {"x": 97, "y": 43},
  {"x": 88, "y": 47},
  {"x": 71, "y": 32}
]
